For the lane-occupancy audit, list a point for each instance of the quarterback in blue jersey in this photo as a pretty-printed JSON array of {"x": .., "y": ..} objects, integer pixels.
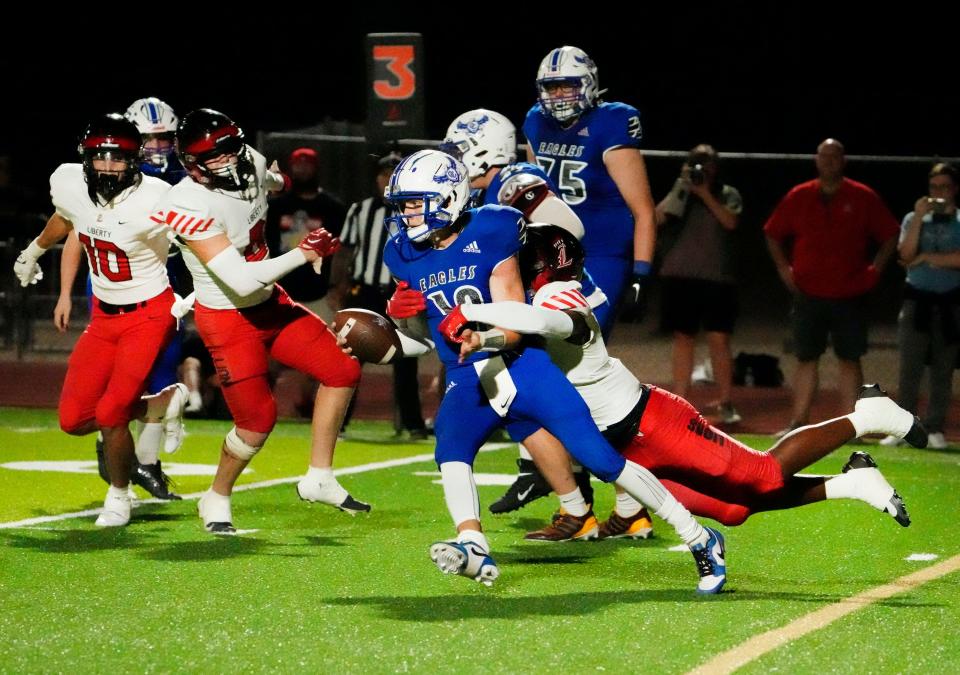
[
  {"x": 591, "y": 151},
  {"x": 486, "y": 142},
  {"x": 445, "y": 255}
]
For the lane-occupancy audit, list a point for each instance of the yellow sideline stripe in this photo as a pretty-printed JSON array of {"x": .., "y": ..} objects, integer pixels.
[{"x": 758, "y": 645}]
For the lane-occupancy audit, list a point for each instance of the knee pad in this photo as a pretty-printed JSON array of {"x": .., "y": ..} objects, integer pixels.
[{"x": 237, "y": 447}]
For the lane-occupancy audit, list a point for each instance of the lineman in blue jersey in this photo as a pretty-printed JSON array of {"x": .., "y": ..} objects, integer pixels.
[
  {"x": 449, "y": 255},
  {"x": 591, "y": 151},
  {"x": 486, "y": 142},
  {"x": 157, "y": 123}
]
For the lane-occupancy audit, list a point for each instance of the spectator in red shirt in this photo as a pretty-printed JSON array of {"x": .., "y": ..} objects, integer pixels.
[{"x": 833, "y": 224}]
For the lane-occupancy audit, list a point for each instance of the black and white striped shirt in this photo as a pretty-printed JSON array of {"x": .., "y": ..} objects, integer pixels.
[{"x": 365, "y": 231}]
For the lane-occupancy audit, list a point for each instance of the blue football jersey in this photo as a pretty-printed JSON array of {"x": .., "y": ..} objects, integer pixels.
[
  {"x": 573, "y": 159},
  {"x": 459, "y": 273}
]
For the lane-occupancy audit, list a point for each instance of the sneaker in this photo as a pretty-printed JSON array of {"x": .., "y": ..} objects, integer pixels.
[
  {"x": 116, "y": 511},
  {"x": 876, "y": 490},
  {"x": 332, "y": 494},
  {"x": 465, "y": 558},
  {"x": 892, "y": 441},
  {"x": 173, "y": 418},
  {"x": 637, "y": 526},
  {"x": 215, "y": 514},
  {"x": 102, "y": 462},
  {"x": 891, "y": 418},
  {"x": 567, "y": 527},
  {"x": 711, "y": 563},
  {"x": 728, "y": 414},
  {"x": 529, "y": 485},
  {"x": 152, "y": 479},
  {"x": 937, "y": 441}
]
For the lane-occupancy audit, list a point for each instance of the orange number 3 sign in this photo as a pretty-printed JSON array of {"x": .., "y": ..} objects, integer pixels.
[{"x": 398, "y": 58}]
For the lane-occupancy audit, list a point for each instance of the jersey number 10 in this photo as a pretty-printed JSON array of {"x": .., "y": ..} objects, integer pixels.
[{"x": 98, "y": 253}]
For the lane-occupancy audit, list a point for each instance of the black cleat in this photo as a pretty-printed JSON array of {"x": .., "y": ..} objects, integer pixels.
[
  {"x": 917, "y": 435},
  {"x": 529, "y": 485},
  {"x": 895, "y": 507},
  {"x": 152, "y": 479},
  {"x": 353, "y": 507},
  {"x": 102, "y": 463},
  {"x": 220, "y": 528}
]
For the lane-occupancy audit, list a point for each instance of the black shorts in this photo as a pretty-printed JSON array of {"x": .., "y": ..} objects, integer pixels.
[
  {"x": 845, "y": 321},
  {"x": 686, "y": 305}
]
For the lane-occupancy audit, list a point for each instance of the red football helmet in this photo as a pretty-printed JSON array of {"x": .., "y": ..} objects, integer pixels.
[
  {"x": 550, "y": 253},
  {"x": 212, "y": 149},
  {"x": 110, "y": 138}
]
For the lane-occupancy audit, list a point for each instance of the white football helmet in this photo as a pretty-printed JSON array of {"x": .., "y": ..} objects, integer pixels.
[
  {"x": 484, "y": 139},
  {"x": 436, "y": 178},
  {"x": 570, "y": 66},
  {"x": 154, "y": 119}
]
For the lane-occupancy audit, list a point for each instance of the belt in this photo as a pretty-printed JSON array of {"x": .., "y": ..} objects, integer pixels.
[{"x": 107, "y": 308}]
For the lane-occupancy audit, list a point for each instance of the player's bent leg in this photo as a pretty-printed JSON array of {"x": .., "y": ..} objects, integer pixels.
[
  {"x": 239, "y": 447},
  {"x": 861, "y": 479}
]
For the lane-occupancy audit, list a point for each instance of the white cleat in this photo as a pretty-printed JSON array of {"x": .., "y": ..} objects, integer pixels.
[
  {"x": 891, "y": 441},
  {"x": 330, "y": 493},
  {"x": 116, "y": 511},
  {"x": 173, "y": 430},
  {"x": 936, "y": 441},
  {"x": 874, "y": 488},
  {"x": 888, "y": 417},
  {"x": 215, "y": 513},
  {"x": 465, "y": 558}
]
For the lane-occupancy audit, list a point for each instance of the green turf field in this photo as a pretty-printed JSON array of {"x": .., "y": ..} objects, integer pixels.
[{"x": 314, "y": 590}]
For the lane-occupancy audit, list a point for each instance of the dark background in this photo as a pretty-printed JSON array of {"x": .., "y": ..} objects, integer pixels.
[{"x": 742, "y": 76}]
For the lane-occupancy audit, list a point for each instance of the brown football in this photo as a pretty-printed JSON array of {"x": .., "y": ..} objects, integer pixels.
[{"x": 372, "y": 337}]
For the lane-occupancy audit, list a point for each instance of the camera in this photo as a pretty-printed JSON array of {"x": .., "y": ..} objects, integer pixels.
[
  {"x": 937, "y": 205},
  {"x": 697, "y": 176}
]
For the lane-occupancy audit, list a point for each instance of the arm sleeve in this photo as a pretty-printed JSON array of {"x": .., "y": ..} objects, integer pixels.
[
  {"x": 778, "y": 225},
  {"x": 521, "y": 318},
  {"x": 243, "y": 277}
]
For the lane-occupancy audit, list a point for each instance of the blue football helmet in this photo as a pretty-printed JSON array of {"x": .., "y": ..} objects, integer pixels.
[{"x": 437, "y": 179}]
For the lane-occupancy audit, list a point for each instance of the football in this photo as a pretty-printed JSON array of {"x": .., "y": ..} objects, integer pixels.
[{"x": 372, "y": 337}]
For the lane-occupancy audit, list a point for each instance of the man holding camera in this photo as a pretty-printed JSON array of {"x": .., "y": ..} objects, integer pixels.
[
  {"x": 929, "y": 323},
  {"x": 833, "y": 223},
  {"x": 698, "y": 276}
]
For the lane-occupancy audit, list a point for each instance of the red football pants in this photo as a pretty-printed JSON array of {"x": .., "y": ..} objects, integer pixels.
[
  {"x": 709, "y": 472},
  {"x": 242, "y": 340},
  {"x": 108, "y": 369}
]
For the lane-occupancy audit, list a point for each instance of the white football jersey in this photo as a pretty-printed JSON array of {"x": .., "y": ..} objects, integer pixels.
[
  {"x": 195, "y": 212},
  {"x": 126, "y": 250},
  {"x": 608, "y": 387}
]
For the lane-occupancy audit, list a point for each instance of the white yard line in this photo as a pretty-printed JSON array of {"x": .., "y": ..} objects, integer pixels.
[
  {"x": 758, "y": 645},
  {"x": 360, "y": 468}
]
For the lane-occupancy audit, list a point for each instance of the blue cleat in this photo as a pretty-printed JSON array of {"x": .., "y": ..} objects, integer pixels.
[
  {"x": 465, "y": 558},
  {"x": 711, "y": 564}
]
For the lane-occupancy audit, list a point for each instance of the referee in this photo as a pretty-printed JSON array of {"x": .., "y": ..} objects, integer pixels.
[{"x": 360, "y": 279}]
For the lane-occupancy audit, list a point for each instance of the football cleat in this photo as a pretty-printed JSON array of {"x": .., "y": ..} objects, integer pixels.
[
  {"x": 876, "y": 490},
  {"x": 711, "y": 563},
  {"x": 152, "y": 479},
  {"x": 116, "y": 511},
  {"x": 529, "y": 485},
  {"x": 637, "y": 526},
  {"x": 895, "y": 420},
  {"x": 173, "y": 430},
  {"x": 465, "y": 558},
  {"x": 567, "y": 527},
  {"x": 215, "y": 514},
  {"x": 331, "y": 494}
]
